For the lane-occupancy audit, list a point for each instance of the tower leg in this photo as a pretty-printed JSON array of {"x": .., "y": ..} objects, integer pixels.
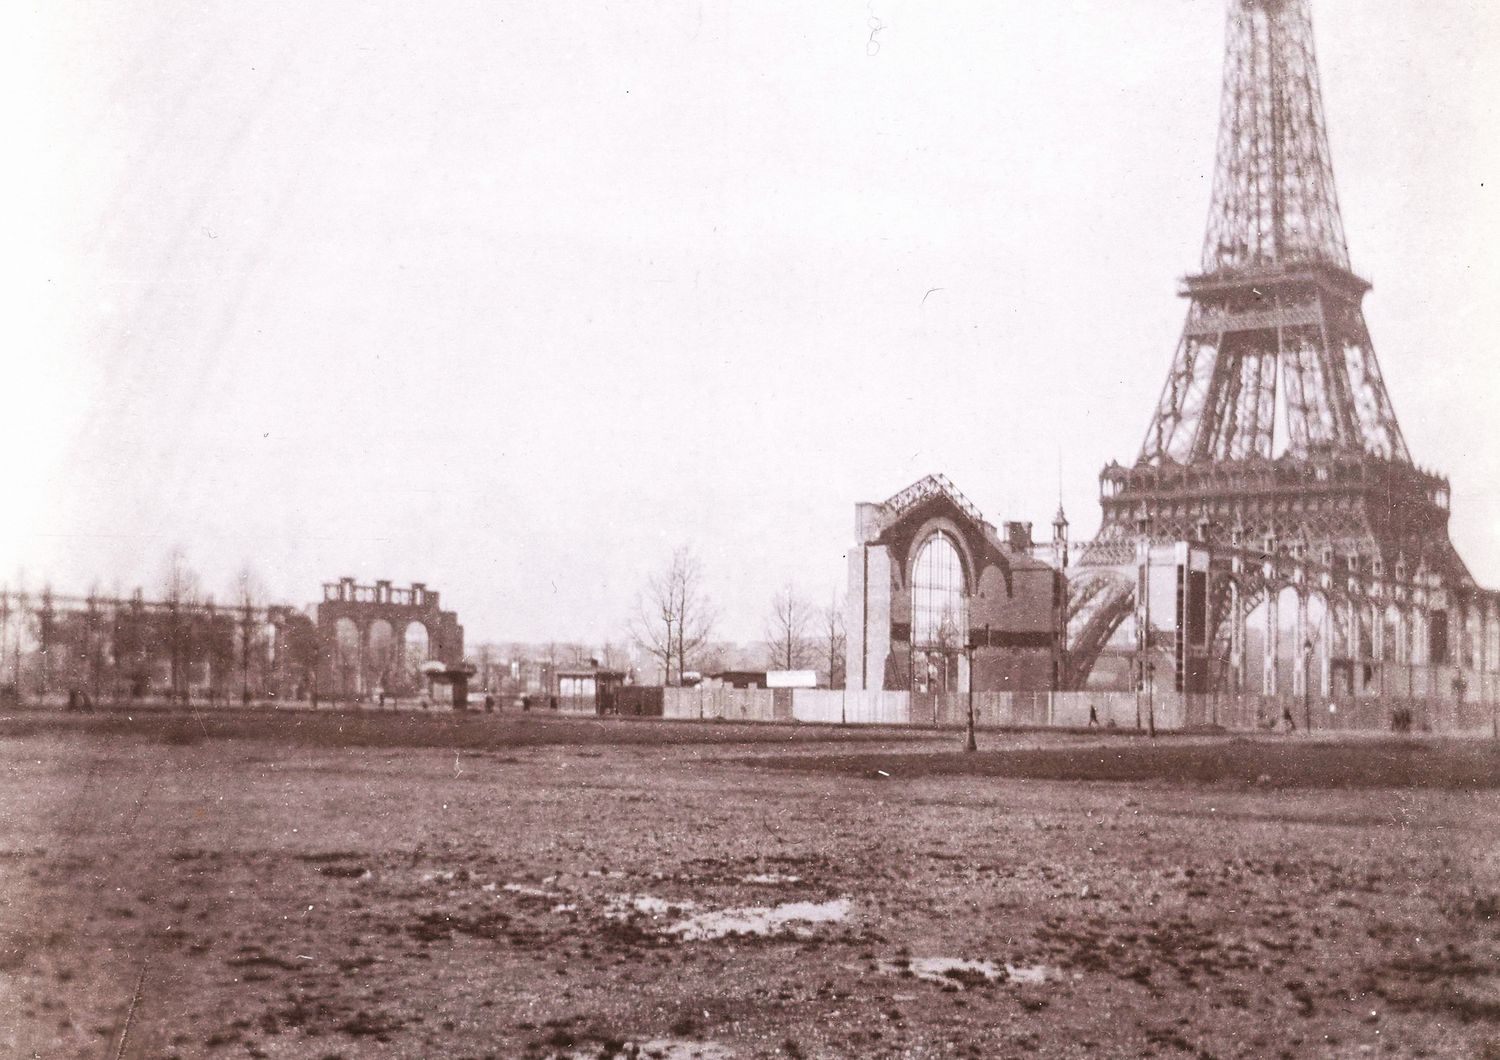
[{"x": 1236, "y": 640}]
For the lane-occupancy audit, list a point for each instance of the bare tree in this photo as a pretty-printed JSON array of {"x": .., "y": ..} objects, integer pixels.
[
  {"x": 7, "y": 612},
  {"x": 695, "y": 612},
  {"x": 46, "y": 631},
  {"x": 93, "y": 650},
  {"x": 249, "y": 595},
  {"x": 215, "y": 642},
  {"x": 674, "y": 616},
  {"x": 654, "y": 623},
  {"x": 612, "y": 657},
  {"x": 180, "y": 591},
  {"x": 831, "y": 628},
  {"x": 711, "y": 659},
  {"x": 486, "y": 663},
  {"x": 303, "y": 654},
  {"x": 787, "y": 645}
]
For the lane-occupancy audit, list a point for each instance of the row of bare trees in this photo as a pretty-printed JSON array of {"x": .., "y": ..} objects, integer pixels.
[
  {"x": 800, "y": 636},
  {"x": 674, "y": 621},
  {"x": 177, "y": 641}
]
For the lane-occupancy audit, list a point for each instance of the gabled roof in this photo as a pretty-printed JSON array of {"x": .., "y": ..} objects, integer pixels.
[
  {"x": 891, "y": 515},
  {"x": 932, "y": 485}
]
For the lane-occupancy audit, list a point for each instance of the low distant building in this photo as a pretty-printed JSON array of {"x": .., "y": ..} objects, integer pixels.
[
  {"x": 793, "y": 679},
  {"x": 587, "y": 690},
  {"x": 763, "y": 679},
  {"x": 736, "y": 679},
  {"x": 939, "y": 601}
]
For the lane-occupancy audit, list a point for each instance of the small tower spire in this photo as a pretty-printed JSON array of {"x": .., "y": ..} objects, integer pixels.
[{"x": 1060, "y": 522}]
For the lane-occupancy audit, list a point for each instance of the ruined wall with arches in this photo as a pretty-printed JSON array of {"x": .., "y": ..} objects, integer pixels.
[{"x": 375, "y": 638}]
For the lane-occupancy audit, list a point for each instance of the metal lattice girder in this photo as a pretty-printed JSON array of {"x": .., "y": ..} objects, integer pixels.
[
  {"x": 1274, "y": 198},
  {"x": 1274, "y": 422},
  {"x": 1276, "y": 304},
  {"x": 1096, "y": 608},
  {"x": 1352, "y": 592},
  {"x": 932, "y": 485}
]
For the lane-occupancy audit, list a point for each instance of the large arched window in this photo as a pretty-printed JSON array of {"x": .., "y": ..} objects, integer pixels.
[{"x": 939, "y": 615}]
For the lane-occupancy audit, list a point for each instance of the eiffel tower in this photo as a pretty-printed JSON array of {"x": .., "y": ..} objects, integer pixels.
[{"x": 1274, "y": 429}]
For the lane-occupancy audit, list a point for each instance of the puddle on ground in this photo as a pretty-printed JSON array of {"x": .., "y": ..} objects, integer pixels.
[
  {"x": 624, "y": 906},
  {"x": 526, "y": 890},
  {"x": 678, "y": 1049},
  {"x": 958, "y": 972},
  {"x": 644, "y": 903},
  {"x": 787, "y": 918},
  {"x": 663, "y": 1049},
  {"x": 692, "y": 925},
  {"x": 1031, "y": 974}
]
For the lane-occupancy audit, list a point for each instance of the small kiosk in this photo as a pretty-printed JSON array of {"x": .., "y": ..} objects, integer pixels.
[{"x": 453, "y": 678}]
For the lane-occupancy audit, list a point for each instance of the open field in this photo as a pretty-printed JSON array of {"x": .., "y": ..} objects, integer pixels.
[{"x": 353, "y": 885}]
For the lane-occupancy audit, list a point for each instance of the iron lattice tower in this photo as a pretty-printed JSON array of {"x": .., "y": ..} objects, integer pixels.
[
  {"x": 1275, "y": 302},
  {"x": 1274, "y": 439},
  {"x": 1274, "y": 422}
]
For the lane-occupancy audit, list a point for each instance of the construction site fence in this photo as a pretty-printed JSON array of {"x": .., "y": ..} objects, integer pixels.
[
  {"x": 1168, "y": 711},
  {"x": 1163, "y": 711}
]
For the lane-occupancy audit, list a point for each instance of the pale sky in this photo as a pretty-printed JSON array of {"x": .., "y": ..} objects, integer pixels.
[{"x": 514, "y": 298}]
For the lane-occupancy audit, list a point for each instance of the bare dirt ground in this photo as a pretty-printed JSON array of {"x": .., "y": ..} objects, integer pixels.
[{"x": 299, "y": 885}]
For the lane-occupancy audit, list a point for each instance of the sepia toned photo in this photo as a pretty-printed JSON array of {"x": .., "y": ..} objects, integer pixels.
[{"x": 685, "y": 531}]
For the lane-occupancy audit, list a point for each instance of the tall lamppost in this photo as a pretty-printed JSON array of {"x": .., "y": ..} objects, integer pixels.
[
  {"x": 1151, "y": 697},
  {"x": 1144, "y": 667},
  {"x": 1146, "y": 642},
  {"x": 969, "y": 744},
  {"x": 1307, "y": 650}
]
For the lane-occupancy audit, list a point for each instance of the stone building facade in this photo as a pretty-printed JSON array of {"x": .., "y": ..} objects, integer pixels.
[{"x": 939, "y": 601}]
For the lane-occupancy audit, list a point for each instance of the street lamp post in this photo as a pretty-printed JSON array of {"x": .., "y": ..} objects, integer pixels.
[
  {"x": 969, "y": 744},
  {"x": 1151, "y": 698},
  {"x": 1307, "y": 650}
]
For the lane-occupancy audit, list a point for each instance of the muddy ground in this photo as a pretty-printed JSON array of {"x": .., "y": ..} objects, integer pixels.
[{"x": 366, "y": 886}]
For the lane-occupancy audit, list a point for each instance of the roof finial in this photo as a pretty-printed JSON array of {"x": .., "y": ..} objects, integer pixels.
[{"x": 1060, "y": 519}]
